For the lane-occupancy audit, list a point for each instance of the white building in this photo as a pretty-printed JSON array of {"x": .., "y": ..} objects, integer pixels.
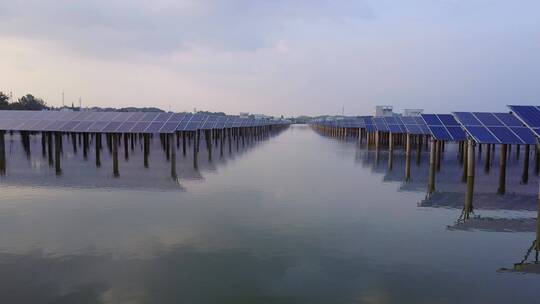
[
  {"x": 413, "y": 112},
  {"x": 384, "y": 111}
]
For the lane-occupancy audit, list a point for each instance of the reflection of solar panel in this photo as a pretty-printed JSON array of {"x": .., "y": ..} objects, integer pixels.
[
  {"x": 444, "y": 127},
  {"x": 494, "y": 128},
  {"x": 529, "y": 115}
]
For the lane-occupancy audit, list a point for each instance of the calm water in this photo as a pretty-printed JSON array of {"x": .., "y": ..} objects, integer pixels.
[{"x": 297, "y": 218}]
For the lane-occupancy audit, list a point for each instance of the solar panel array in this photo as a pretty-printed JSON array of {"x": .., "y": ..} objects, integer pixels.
[
  {"x": 121, "y": 122},
  {"x": 495, "y": 128},
  {"x": 444, "y": 127},
  {"x": 529, "y": 115},
  {"x": 394, "y": 124}
]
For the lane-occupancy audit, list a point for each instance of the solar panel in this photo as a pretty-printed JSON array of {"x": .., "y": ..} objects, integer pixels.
[
  {"x": 414, "y": 125},
  {"x": 154, "y": 127},
  {"x": 442, "y": 127},
  {"x": 494, "y": 128},
  {"x": 126, "y": 126},
  {"x": 82, "y": 126},
  {"x": 380, "y": 124},
  {"x": 530, "y": 115},
  {"x": 169, "y": 127}
]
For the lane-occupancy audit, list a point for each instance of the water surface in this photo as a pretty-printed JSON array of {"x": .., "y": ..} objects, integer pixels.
[{"x": 297, "y": 218}]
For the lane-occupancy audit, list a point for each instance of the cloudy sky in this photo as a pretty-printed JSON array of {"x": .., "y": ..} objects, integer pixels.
[{"x": 274, "y": 56}]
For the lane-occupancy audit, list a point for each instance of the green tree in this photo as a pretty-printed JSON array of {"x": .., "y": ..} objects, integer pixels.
[
  {"x": 29, "y": 102},
  {"x": 4, "y": 101}
]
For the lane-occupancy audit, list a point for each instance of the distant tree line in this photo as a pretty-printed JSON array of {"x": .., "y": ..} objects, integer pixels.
[{"x": 27, "y": 102}]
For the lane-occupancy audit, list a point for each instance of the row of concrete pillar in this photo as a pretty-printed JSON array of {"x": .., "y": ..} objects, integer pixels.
[{"x": 52, "y": 144}]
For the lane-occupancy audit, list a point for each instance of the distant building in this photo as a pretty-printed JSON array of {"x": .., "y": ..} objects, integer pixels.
[
  {"x": 413, "y": 112},
  {"x": 384, "y": 111},
  {"x": 244, "y": 114}
]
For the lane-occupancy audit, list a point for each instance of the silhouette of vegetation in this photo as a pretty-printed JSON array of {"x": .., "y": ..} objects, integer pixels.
[
  {"x": 27, "y": 102},
  {"x": 4, "y": 101}
]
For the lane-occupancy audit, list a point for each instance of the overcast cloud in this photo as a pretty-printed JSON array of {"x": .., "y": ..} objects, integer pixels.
[{"x": 275, "y": 57}]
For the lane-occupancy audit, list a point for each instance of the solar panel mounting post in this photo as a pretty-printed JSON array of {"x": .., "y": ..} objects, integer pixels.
[
  {"x": 432, "y": 166},
  {"x": 2, "y": 152},
  {"x": 470, "y": 178},
  {"x": 57, "y": 150},
  {"x": 172, "y": 146},
  {"x": 487, "y": 161},
  {"x": 525, "y": 174},
  {"x": 408, "y": 158},
  {"x": 390, "y": 151},
  {"x": 502, "y": 170},
  {"x": 97, "y": 145},
  {"x": 116, "y": 170}
]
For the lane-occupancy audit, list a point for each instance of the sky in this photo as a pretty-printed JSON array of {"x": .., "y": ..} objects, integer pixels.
[{"x": 274, "y": 57}]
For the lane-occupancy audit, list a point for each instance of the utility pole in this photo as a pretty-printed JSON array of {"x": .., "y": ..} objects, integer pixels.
[
  {"x": 63, "y": 99},
  {"x": 80, "y": 103}
]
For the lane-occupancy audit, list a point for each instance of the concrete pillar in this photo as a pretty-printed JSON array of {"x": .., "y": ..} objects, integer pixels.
[
  {"x": 195, "y": 153},
  {"x": 98, "y": 149},
  {"x": 438, "y": 154},
  {"x": 470, "y": 178},
  {"x": 184, "y": 143},
  {"x": 85, "y": 145},
  {"x": 50, "y": 148},
  {"x": 487, "y": 161},
  {"x": 502, "y": 170},
  {"x": 390, "y": 152},
  {"x": 173, "y": 155},
  {"x": 3, "y": 153},
  {"x": 116, "y": 170},
  {"x": 57, "y": 149},
  {"x": 44, "y": 144},
  {"x": 525, "y": 174},
  {"x": 126, "y": 146},
  {"x": 418, "y": 150},
  {"x": 538, "y": 223},
  {"x": 432, "y": 166},
  {"x": 464, "y": 176},
  {"x": 408, "y": 158},
  {"x": 146, "y": 148}
]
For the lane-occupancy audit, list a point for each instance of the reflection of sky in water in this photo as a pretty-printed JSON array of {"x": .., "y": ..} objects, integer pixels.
[{"x": 299, "y": 219}]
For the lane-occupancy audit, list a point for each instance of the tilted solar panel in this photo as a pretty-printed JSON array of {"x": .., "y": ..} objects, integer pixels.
[{"x": 494, "y": 128}]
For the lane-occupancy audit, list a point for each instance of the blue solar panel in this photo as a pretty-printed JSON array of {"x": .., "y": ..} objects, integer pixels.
[
  {"x": 432, "y": 120},
  {"x": 449, "y": 130},
  {"x": 495, "y": 128},
  {"x": 488, "y": 119},
  {"x": 504, "y": 134},
  {"x": 169, "y": 127},
  {"x": 530, "y": 115},
  {"x": 525, "y": 134},
  {"x": 126, "y": 126},
  {"x": 448, "y": 120},
  {"x": 69, "y": 126},
  {"x": 481, "y": 134},
  {"x": 140, "y": 127},
  {"x": 457, "y": 133},
  {"x": 440, "y": 133},
  {"x": 508, "y": 119},
  {"x": 111, "y": 126},
  {"x": 467, "y": 119},
  {"x": 154, "y": 127},
  {"x": 380, "y": 124},
  {"x": 82, "y": 126},
  {"x": 97, "y": 126}
]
